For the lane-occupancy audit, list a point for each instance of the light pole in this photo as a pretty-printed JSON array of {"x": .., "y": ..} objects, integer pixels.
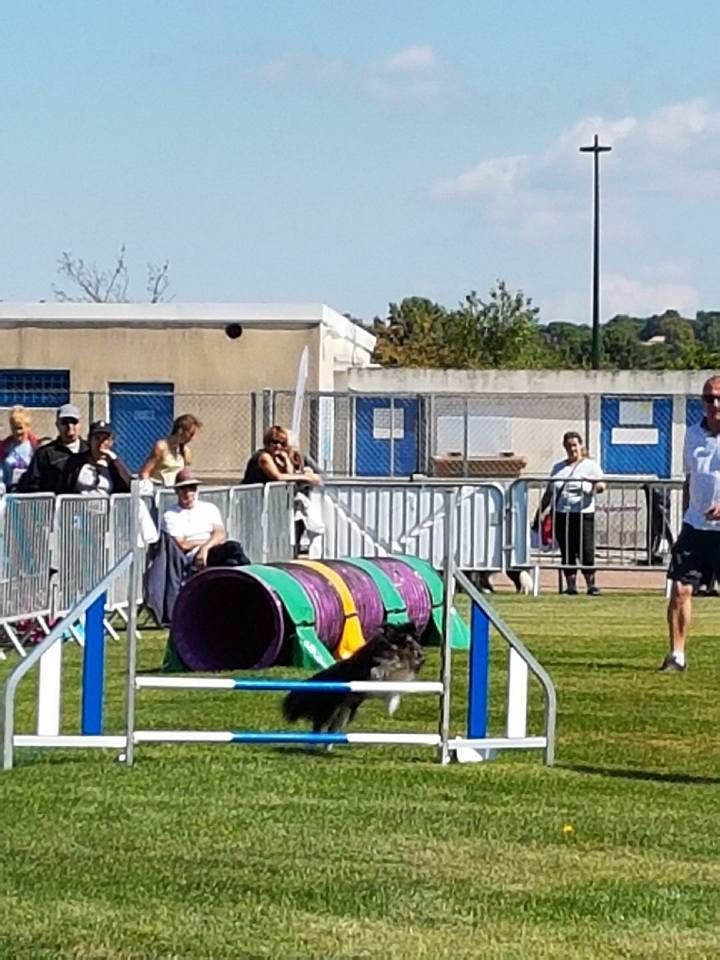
[{"x": 596, "y": 149}]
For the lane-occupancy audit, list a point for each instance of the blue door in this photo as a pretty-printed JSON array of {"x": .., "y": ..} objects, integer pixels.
[
  {"x": 693, "y": 411},
  {"x": 636, "y": 435},
  {"x": 386, "y": 436},
  {"x": 141, "y": 413}
]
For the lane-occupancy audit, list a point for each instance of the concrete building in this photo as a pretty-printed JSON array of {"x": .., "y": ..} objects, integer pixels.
[{"x": 141, "y": 364}]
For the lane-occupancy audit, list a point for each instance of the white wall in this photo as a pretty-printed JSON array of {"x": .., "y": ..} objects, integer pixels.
[{"x": 409, "y": 380}]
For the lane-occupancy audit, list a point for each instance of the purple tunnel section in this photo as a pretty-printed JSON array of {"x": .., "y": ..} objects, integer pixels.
[
  {"x": 227, "y": 619},
  {"x": 329, "y": 616},
  {"x": 370, "y": 608},
  {"x": 411, "y": 587}
]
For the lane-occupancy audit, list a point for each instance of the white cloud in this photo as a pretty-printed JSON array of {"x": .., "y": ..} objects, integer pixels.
[
  {"x": 410, "y": 59},
  {"x": 676, "y": 125},
  {"x": 499, "y": 173},
  {"x": 622, "y": 294},
  {"x": 413, "y": 73},
  {"x": 670, "y": 156},
  {"x": 306, "y": 67}
]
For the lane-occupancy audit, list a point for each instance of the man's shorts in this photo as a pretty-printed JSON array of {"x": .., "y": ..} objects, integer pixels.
[{"x": 695, "y": 558}]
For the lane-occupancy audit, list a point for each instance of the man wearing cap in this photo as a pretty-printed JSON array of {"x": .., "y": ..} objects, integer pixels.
[
  {"x": 197, "y": 527},
  {"x": 98, "y": 470},
  {"x": 45, "y": 473}
]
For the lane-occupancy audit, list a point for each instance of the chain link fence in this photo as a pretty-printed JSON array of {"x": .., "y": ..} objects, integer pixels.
[{"x": 447, "y": 436}]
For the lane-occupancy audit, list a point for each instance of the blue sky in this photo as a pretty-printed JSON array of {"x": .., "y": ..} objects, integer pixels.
[{"x": 354, "y": 153}]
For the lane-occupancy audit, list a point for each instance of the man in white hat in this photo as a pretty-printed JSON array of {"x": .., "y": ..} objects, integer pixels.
[{"x": 197, "y": 527}]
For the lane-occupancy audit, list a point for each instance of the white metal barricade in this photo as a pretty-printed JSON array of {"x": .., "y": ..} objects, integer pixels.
[
  {"x": 26, "y": 524},
  {"x": 635, "y": 522},
  {"x": 80, "y": 547},
  {"x": 364, "y": 518}
]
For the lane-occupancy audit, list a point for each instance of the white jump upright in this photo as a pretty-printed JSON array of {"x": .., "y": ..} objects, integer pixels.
[{"x": 47, "y": 656}]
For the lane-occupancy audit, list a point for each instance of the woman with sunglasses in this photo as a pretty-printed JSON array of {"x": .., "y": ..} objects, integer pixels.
[
  {"x": 695, "y": 557},
  {"x": 274, "y": 461}
]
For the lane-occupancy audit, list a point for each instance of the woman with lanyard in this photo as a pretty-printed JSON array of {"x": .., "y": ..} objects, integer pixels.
[{"x": 570, "y": 495}]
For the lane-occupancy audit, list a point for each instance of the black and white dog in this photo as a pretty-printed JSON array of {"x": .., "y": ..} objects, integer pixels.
[{"x": 394, "y": 653}]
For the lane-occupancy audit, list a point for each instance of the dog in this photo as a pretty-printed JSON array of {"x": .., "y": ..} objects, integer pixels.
[
  {"x": 394, "y": 653},
  {"x": 521, "y": 579}
]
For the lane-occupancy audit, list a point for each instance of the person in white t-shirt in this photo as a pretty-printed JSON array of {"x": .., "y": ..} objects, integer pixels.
[
  {"x": 571, "y": 497},
  {"x": 197, "y": 527},
  {"x": 695, "y": 557}
]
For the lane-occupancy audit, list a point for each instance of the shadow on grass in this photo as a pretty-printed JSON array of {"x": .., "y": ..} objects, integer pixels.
[
  {"x": 648, "y": 775},
  {"x": 592, "y": 664}
]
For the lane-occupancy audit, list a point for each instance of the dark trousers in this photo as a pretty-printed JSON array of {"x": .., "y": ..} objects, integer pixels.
[
  {"x": 228, "y": 554},
  {"x": 575, "y": 534}
]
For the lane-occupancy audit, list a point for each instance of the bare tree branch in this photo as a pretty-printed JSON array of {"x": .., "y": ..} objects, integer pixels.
[
  {"x": 111, "y": 296},
  {"x": 157, "y": 281},
  {"x": 111, "y": 286}
]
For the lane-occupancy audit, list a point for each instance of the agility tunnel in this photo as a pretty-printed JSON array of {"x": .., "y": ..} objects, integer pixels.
[{"x": 302, "y": 612}]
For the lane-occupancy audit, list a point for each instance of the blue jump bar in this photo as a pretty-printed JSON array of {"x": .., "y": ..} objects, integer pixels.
[
  {"x": 308, "y": 686},
  {"x": 258, "y": 737}
]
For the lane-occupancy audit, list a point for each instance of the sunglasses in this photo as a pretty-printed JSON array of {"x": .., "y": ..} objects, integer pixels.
[
  {"x": 712, "y": 399},
  {"x": 66, "y": 421},
  {"x": 278, "y": 443}
]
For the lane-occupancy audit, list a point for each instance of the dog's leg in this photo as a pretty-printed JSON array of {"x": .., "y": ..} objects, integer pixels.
[
  {"x": 392, "y": 702},
  {"x": 526, "y": 582},
  {"x": 337, "y": 722}
]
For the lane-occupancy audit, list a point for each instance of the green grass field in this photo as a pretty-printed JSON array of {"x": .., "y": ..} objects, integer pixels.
[{"x": 231, "y": 852}]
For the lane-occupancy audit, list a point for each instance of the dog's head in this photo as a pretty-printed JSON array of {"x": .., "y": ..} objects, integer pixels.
[{"x": 396, "y": 650}]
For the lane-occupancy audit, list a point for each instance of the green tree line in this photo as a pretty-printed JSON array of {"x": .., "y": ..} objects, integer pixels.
[{"x": 504, "y": 331}]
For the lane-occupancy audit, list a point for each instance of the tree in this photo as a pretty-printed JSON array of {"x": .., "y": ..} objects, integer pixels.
[
  {"x": 500, "y": 332},
  {"x": 412, "y": 335},
  {"x": 570, "y": 344},
  {"x": 708, "y": 330},
  {"x": 93, "y": 285},
  {"x": 620, "y": 343}
]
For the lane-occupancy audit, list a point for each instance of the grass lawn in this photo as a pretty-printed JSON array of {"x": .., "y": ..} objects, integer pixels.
[{"x": 231, "y": 852}]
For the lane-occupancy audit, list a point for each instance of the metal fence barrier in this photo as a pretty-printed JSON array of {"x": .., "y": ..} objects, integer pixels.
[
  {"x": 372, "y": 517},
  {"x": 278, "y": 532},
  {"x": 246, "y": 505},
  {"x": 81, "y": 547},
  {"x": 26, "y": 525},
  {"x": 119, "y": 544},
  {"x": 635, "y": 522}
]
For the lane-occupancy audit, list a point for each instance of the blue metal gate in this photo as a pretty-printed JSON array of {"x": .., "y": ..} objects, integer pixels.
[
  {"x": 636, "y": 435},
  {"x": 386, "y": 436},
  {"x": 141, "y": 413},
  {"x": 693, "y": 411}
]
